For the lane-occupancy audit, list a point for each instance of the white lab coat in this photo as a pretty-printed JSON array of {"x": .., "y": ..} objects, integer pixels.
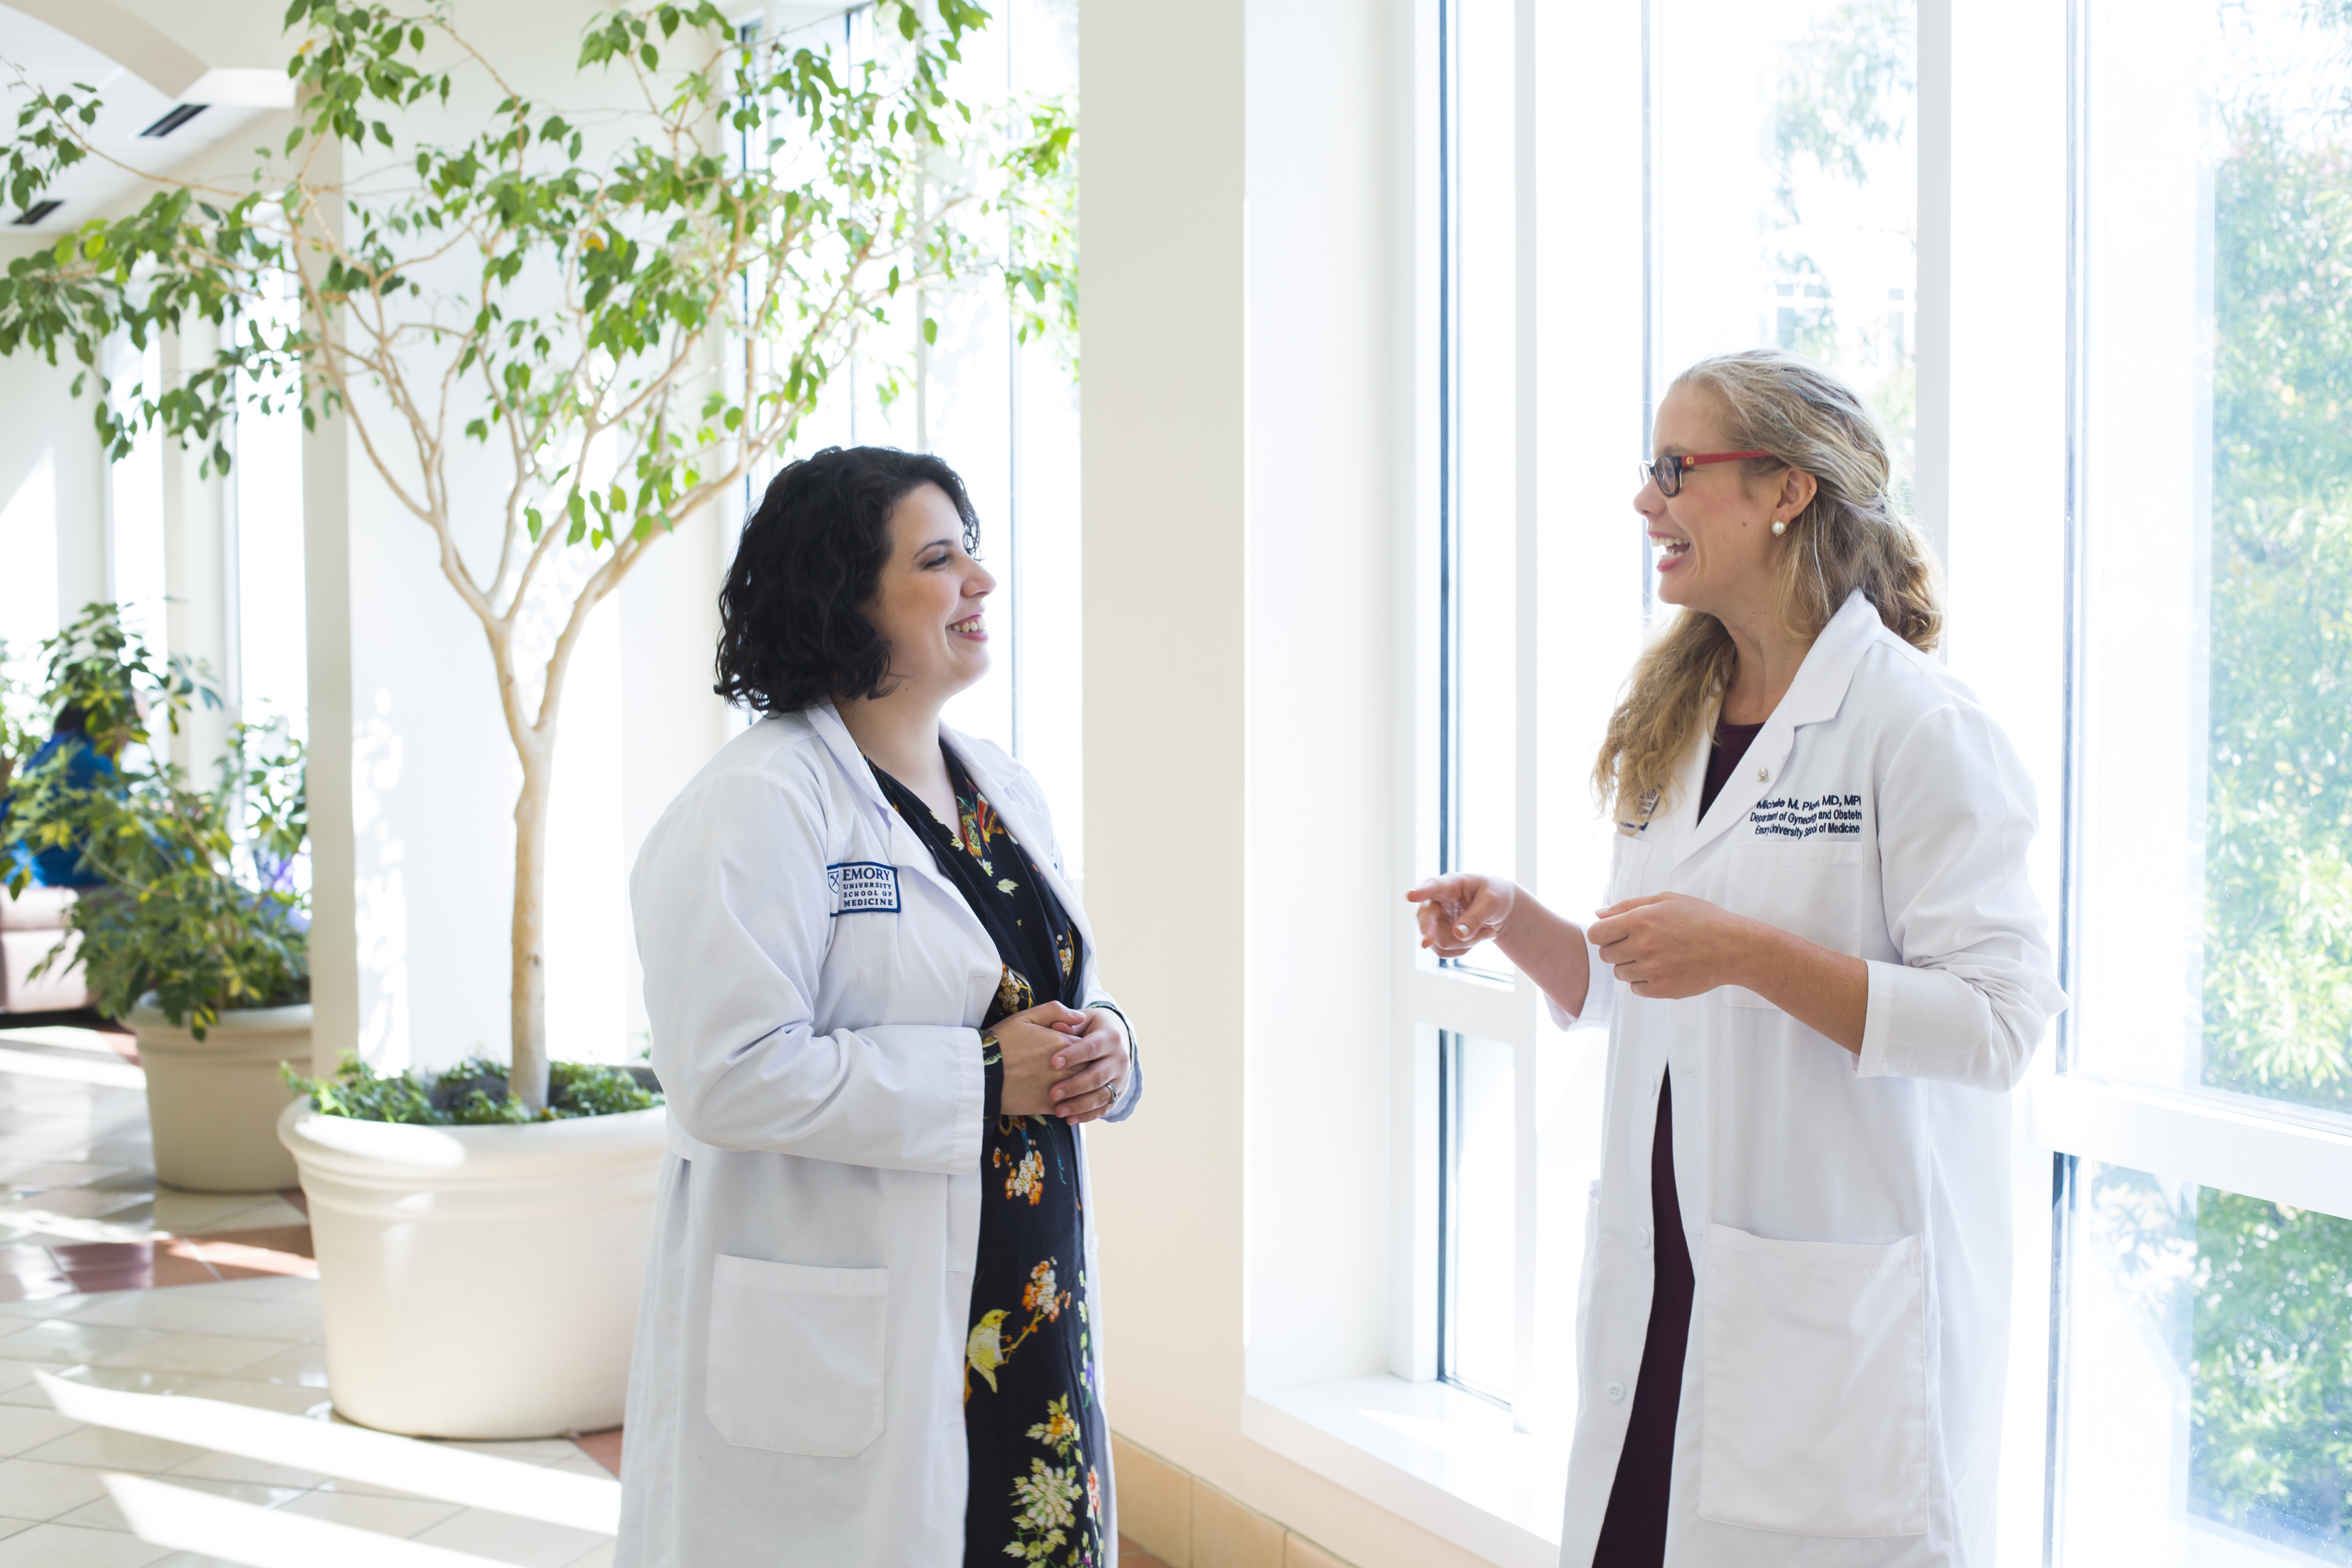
[
  {"x": 814, "y": 987},
  {"x": 1847, "y": 1219}
]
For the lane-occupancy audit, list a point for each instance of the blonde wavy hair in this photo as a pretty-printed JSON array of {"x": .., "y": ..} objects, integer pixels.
[{"x": 1850, "y": 537}]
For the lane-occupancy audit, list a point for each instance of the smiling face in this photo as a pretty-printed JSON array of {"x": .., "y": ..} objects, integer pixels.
[
  {"x": 927, "y": 602},
  {"x": 1716, "y": 551}
]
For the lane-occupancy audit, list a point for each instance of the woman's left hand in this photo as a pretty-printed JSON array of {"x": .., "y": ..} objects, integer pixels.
[
  {"x": 1672, "y": 945},
  {"x": 1098, "y": 1062}
]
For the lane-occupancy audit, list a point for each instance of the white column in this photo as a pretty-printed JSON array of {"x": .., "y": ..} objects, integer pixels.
[{"x": 199, "y": 575}]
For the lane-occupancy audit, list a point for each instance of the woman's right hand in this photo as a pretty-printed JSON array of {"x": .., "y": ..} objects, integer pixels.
[
  {"x": 1459, "y": 912},
  {"x": 1028, "y": 1041}
]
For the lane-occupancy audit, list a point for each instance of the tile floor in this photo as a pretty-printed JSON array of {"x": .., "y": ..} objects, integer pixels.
[{"x": 108, "y": 1278}]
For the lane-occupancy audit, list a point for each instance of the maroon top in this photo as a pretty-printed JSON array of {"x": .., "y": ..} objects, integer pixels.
[{"x": 1633, "y": 1532}]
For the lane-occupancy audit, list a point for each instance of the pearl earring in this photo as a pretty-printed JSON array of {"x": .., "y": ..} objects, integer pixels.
[{"x": 1779, "y": 526}]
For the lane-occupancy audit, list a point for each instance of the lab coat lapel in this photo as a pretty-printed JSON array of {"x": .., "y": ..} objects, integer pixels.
[
  {"x": 1670, "y": 829},
  {"x": 1815, "y": 695},
  {"x": 907, "y": 848}
]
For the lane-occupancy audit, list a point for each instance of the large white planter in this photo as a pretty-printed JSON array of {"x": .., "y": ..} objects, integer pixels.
[
  {"x": 212, "y": 1104},
  {"x": 479, "y": 1281}
]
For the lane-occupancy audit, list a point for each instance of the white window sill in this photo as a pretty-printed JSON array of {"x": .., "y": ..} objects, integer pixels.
[{"x": 1427, "y": 1452}]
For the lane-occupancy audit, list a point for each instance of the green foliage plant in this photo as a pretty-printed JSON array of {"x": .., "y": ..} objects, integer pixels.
[
  {"x": 200, "y": 904},
  {"x": 473, "y": 1093},
  {"x": 616, "y": 315}
]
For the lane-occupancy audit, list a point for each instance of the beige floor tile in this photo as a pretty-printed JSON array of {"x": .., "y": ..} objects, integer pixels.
[
  {"x": 529, "y": 1451},
  {"x": 21, "y": 1428},
  {"x": 503, "y": 1538},
  {"x": 76, "y": 1203},
  {"x": 48, "y": 1307},
  {"x": 192, "y": 1560},
  {"x": 1300, "y": 1552},
  {"x": 9, "y": 1527},
  {"x": 166, "y": 1311},
  {"x": 209, "y": 1355},
  {"x": 1155, "y": 1503},
  {"x": 303, "y": 1364},
  {"x": 350, "y": 1488},
  {"x": 33, "y": 1490},
  {"x": 384, "y": 1515},
  {"x": 104, "y": 1449},
  {"x": 250, "y": 1472},
  {"x": 581, "y": 1465},
  {"x": 184, "y": 1213},
  {"x": 16, "y": 1374},
  {"x": 291, "y": 1323},
  {"x": 602, "y": 1557},
  {"x": 63, "y": 1343},
  {"x": 270, "y": 1213},
  {"x": 64, "y": 1546},
  {"x": 288, "y": 1398},
  {"x": 263, "y": 1287},
  {"x": 103, "y": 1515},
  {"x": 126, "y": 1380},
  {"x": 1227, "y": 1535}
]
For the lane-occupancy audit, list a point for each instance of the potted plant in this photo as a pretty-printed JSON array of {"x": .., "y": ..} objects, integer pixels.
[
  {"x": 621, "y": 336},
  {"x": 451, "y": 1184},
  {"x": 192, "y": 925}
]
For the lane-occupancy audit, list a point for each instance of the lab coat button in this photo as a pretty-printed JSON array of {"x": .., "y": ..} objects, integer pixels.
[
  {"x": 1616, "y": 1390},
  {"x": 1649, "y": 1085},
  {"x": 1763, "y": 773},
  {"x": 1642, "y": 1236}
]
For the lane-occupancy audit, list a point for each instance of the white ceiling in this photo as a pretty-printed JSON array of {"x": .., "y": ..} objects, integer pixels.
[{"x": 34, "y": 52}]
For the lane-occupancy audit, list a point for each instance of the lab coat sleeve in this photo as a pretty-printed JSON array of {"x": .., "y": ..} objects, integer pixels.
[
  {"x": 1600, "y": 994},
  {"x": 732, "y": 914},
  {"x": 1976, "y": 987}
]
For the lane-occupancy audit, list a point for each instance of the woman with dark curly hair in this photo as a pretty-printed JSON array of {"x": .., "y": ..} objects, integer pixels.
[{"x": 869, "y": 1333}]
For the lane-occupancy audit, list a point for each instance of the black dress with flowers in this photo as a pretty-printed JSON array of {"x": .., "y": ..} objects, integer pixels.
[{"x": 1032, "y": 1420}]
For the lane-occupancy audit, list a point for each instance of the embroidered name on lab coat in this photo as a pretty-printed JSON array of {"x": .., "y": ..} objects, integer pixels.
[
  {"x": 1839, "y": 816},
  {"x": 863, "y": 887}
]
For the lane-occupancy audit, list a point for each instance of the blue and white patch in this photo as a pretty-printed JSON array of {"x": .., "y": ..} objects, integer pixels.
[{"x": 863, "y": 887}]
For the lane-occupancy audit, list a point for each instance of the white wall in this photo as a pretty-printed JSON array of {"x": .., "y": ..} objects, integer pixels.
[{"x": 1238, "y": 497}]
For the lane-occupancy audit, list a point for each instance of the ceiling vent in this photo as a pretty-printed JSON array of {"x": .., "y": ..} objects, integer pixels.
[
  {"x": 179, "y": 115},
  {"x": 36, "y": 212}
]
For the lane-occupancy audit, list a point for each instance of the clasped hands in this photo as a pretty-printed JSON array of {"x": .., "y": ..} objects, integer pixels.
[
  {"x": 1060, "y": 1061},
  {"x": 1664, "y": 944}
]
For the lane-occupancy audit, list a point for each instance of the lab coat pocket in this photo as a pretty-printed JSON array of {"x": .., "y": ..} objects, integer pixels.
[
  {"x": 796, "y": 1356},
  {"x": 1812, "y": 888},
  {"x": 1814, "y": 1368}
]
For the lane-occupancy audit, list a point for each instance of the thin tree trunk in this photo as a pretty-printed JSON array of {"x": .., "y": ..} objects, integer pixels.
[{"x": 527, "y": 1077}]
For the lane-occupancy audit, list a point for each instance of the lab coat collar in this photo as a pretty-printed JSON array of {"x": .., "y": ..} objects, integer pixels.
[
  {"x": 1815, "y": 696},
  {"x": 826, "y": 719}
]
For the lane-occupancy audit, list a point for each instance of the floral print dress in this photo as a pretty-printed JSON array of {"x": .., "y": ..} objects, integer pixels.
[{"x": 1033, "y": 1420}]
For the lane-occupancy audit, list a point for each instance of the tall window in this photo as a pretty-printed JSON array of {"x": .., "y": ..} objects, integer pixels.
[
  {"x": 2206, "y": 1330},
  {"x": 1785, "y": 199},
  {"x": 1481, "y": 1332},
  {"x": 1001, "y": 411}
]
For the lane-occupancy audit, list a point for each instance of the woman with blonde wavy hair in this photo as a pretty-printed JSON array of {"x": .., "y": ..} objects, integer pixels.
[{"x": 1822, "y": 968}]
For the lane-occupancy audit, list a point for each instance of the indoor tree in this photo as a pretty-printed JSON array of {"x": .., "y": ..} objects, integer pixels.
[{"x": 616, "y": 313}]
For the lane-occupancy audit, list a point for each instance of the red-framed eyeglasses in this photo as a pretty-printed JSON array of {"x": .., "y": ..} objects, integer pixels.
[{"x": 1667, "y": 472}]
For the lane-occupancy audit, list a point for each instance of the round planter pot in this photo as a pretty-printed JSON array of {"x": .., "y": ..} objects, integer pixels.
[
  {"x": 479, "y": 1281},
  {"x": 212, "y": 1104}
]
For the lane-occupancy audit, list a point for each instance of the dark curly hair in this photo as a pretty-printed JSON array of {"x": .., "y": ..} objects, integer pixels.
[{"x": 790, "y": 633}]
